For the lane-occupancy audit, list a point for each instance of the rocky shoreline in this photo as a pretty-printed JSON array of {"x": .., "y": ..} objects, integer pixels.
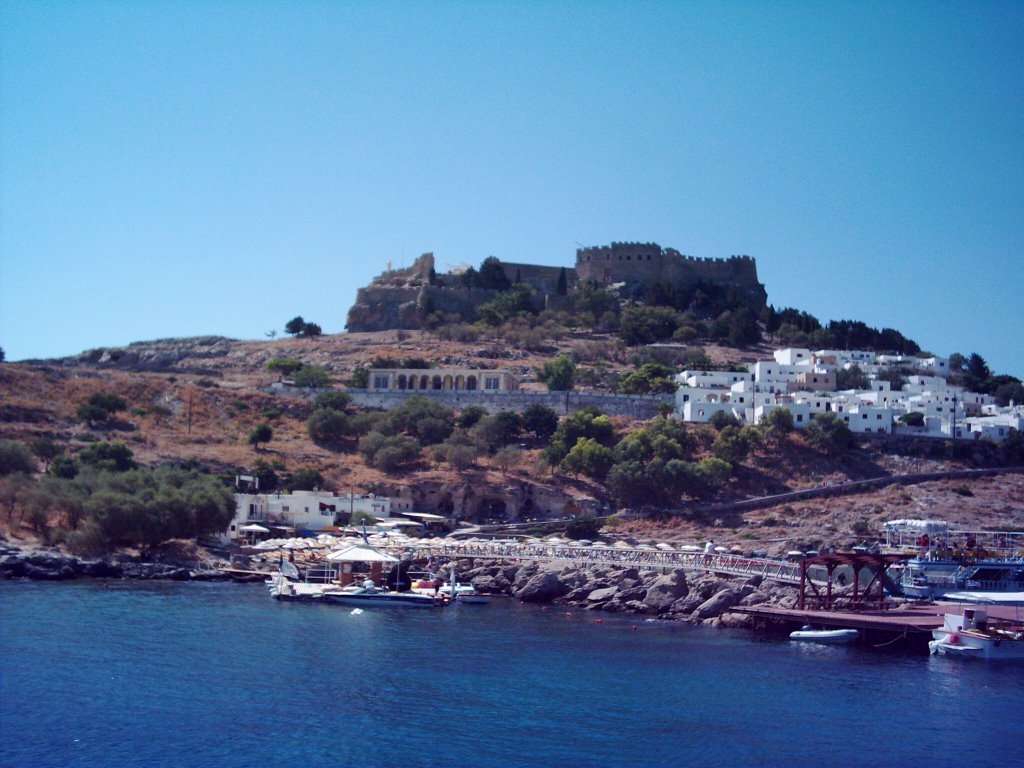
[
  {"x": 50, "y": 564},
  {"x": 697, "y": 598},
  {"x": 672, "y": 596}
]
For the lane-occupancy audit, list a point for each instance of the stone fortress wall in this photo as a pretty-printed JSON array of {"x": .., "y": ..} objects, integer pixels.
[
  {"x": 400, "y": 298},
  {"x": 647, "y": 263}
]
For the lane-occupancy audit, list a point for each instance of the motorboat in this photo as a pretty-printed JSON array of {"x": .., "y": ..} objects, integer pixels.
[
  {"x": 974, "y": 634},
  {"x": 808, "y": 634},
  {"x": 466, "y": 593},
  {"x": 369, "y": 594}
]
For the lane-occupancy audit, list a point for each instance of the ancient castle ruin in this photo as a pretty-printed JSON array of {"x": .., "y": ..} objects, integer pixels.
[{"x": 402, "y": 298}]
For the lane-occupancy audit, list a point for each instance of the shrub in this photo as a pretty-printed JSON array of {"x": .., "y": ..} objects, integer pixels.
[{"x": 16, "y": 457}]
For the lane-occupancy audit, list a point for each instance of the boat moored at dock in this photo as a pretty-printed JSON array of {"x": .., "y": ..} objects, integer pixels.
[
  {"x": 973, "y": 633},
  {"x": 808, "y": 634}
]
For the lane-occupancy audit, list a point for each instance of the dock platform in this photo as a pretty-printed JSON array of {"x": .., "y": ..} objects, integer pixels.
[{"x": 912, "y": 623}]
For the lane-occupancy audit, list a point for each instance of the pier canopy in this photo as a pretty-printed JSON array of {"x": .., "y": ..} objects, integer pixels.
[{"x": 871, "y": 593}]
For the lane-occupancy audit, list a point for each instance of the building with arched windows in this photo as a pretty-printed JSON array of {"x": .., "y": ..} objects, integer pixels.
[{"x": 440, "y": 379}]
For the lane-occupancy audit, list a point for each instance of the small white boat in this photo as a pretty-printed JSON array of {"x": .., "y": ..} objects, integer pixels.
[
  {"x": 466, "y": 593},
  {"x": 972, "y": 633},
  {"x": 826, "y": 636}
]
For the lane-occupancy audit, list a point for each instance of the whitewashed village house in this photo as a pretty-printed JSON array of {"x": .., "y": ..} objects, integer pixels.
[{"x": 805, "y": 383}]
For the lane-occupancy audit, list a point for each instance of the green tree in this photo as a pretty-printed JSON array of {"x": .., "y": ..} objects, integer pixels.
[
  {"x": 519, "y": 300},
  {"x": 540, "y": 421},
  {"x": 1012, "y": 448},
  {"x": 722, "y": 419},
  {"x": 64, "y": 467},
  {"x": 458, "y": 450},
  {"x": 333, "y": 400},
  {"x": 508, "y": 458},
  {"x": 562, "y": 286},
  {"x": 111, "y": 457},
  {"x": 310, "y": 330},
  {"x": 305, "y": 480},
  {"x": 912, "y": 419},
  {"x": 731, "y": 445},
  {"x": 469, "y": 416},
  {"x": 282, "y": 366},
  {"x": 360, "y": 378},
  {"x": 492, "y": 275},
  {"x": 311, "y": 377},
  {"x": 777, "y": 423},
  {"x": 596, "y": 301},
  {"x": 498, "y": 429},
  {"x": 265, "y": 473},
  {"x": 743, "y": 328},
  {"x": 262, "y": 433},
  {"x": 46, "y": 449},
  {"x": 640, "y": 324},
  {"x": 559, "y": 374},
  {"x": 829, "y": 433},
  {"x": 647, "y": 379},
  {"x": 1008, "y": 390},
  {"x": 851, "y": 378},
  {"x": 100, "y": 407},
  {"x": 327, "y": 426},
  {"x": 588, "y": 457},
  {"x": 711, "y": 474},
  {"x": 586, "y": 422},
  {"x": 294, "y": 326},
  {"x": 977, "y": 368},
  {"x": 16, "y": 457}
]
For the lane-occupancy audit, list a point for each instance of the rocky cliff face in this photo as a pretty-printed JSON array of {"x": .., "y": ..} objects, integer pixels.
[{"x": 162, "y": 354}]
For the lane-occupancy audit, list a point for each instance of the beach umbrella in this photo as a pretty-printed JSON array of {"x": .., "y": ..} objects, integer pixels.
[{"x": 254, "y": 528}]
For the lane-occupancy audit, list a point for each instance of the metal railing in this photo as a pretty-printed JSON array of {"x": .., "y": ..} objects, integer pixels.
[{"x": 777, "y": 570}]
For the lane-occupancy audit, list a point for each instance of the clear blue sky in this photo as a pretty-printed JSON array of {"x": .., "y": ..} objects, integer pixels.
[{"x": 183, "y": 168}]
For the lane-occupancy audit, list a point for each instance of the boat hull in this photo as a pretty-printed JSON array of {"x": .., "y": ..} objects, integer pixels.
[
  {"x": 824, "y": 636},
  {"x": 394, "y": 599}
]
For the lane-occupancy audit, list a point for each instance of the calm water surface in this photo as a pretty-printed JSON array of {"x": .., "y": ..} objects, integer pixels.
[{"x": 167, "y": 674}]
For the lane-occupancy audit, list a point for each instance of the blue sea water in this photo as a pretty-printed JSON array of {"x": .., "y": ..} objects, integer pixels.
[{"x": 168, "y": 674}]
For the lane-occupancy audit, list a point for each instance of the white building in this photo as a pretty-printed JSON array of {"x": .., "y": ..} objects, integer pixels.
[{"x": 311, "y": 511}]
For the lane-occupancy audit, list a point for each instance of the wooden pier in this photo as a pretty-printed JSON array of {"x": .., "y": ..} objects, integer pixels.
[{"x": 910, "y": 623}]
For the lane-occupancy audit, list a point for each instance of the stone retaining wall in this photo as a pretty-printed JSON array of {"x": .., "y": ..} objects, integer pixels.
[{"x": 635, "y": 406}]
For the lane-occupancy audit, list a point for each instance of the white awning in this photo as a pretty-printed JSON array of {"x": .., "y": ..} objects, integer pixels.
[
  {"x": 361, "y": 553},
  {"x": 253, "y": 528}
]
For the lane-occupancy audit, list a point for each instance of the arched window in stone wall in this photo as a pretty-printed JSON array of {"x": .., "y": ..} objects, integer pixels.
[
  {"x": 460, "y": 382},
  {"x": 424, "y": 382},
  {"x": 401, "y": 381},
  {"x": 435, "y": 383},
  {"x": 447, "y": 382},
  {"x": 471, "y": 383}
]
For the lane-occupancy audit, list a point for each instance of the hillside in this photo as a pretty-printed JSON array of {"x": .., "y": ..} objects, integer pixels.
[{"x": 196, "y": 400}]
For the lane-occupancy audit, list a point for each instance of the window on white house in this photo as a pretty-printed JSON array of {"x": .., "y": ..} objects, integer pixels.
[
  {"x": 491, "y": 382},
  {"x": 380, "y": 382}
]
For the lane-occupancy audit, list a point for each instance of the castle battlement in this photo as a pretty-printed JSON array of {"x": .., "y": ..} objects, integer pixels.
[
  {"x": 639, "y": 265},
  {"x": 399, "y": 297}
]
